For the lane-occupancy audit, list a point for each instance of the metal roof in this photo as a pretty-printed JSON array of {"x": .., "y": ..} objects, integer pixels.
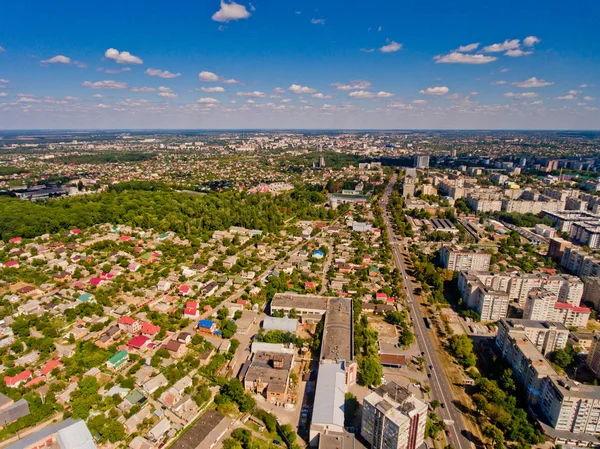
[
  {"x": 280, "y": 324},
  {"x": 330, "y": 395}
]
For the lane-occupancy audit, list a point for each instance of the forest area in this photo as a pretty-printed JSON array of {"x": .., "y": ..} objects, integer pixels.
[{"x": 160, "y": 207}]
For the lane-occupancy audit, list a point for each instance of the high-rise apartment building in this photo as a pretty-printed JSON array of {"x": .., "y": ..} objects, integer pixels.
[
  {"x": 393, "y": 418},
  {"x": 456, "y": 259},
  {"x": 421, "y": 161}
]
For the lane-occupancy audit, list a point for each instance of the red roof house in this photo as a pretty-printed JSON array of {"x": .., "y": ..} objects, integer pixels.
[
  {"x": 138, "y": 342},
  {"x": 149, "y": 329},
  {"x": 15, "y": 240},
  {"x": 191, "y": 309},
  {"x": 49, "y": 367},
  {"x": 18, "y": 379}
]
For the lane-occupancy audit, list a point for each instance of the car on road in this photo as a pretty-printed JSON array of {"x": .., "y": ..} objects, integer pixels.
[
  {"x": 429, "y": 375},
  {"x": 443, "y": 405},
  {"x": 430, "y": 366},
  {"x": 447, "y": 433}
]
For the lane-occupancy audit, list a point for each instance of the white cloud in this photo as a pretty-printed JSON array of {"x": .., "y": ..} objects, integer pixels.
[
  {"x": 583, "y": 86},
  {"x": 367, "y": 50},
  {"x": 358, "y": 84},
  {"x": 390, "y": 47},
  {"x": 230, "y": 11},
  {"x": 438, "y": 90},
  {"x": 462, "y": 58},
  {"x": 208, "y": 77},
  {"x": 517, "y": 52},
  {"x": 4, "y": 81},
  {"x": 2, "y": 49},
  {"x": 279, "y": 90},
  {"x": 218, "y": 89},
  {"x": 320, "y": 96},
  {"x": 249, "y": 101},
  {"x": 58, "y": 59},
  {"x": 161, "y": 73},
  {"x": 588, "y": 98},
  {"x": 317, "y": 21},
  {"x": 530, "y": 41},
  {"x": 143, "y": 89},
  {"x": 533, "y": 82},
  {"x": 122, "y": 57},
  {"x": 468, "y": 48},
  {"x": 97, "y": 96},
  {"x": 521, "y": 95},
  {"x": 255, "y": 94},
  {"x": 211, "y": 77},
  {"x": 208, "y": 100},
  {"x": 3, "y": 94},
  {"x": 498, "y": 83},
  {"x": 367, "y": 94},
  {"x": 166, "y": 92},
  {"x": 566, "y": 97},
  {"x": 419, "y": 102},
  {"x": 574, "y": 92},
  {"x": 504, "y": 46},
  {"x": 107, "y": 84},
  {"x": 298, "y": 89}
]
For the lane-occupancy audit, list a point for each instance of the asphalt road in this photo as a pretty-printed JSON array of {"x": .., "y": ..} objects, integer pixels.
[{"x": 440, "y": 387}]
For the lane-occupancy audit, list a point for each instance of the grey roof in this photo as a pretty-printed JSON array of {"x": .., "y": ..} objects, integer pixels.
[
  {"x": 76, "y": 436},
  {"x": 337, "y": 333},
  {"x": 14, "y": 411},
  {"x": 71, "y": 434},
  {"x": 280, "y": 324},
  {"x": 330, "y": 394}
]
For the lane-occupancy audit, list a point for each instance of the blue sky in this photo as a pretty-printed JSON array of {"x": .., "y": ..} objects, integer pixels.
[{"x": 300, "y": 64}]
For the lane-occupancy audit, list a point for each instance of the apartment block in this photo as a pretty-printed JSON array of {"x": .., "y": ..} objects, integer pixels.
[
  {"x": 517, "y": 285},
  {"x": 556, "y": 248},
  {"x": 593, "y": 357},
  {"x": 546, "y": 336},
  {"x": 567, "y": 411},
  {"x": 456, "y": 259},
  {"x": 393, "y": 418},
  {"x": 543, "y": 305},
  {"x": 491, "y": 305}
]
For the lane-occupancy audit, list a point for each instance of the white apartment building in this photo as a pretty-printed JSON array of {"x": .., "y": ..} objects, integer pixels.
[
  {"x": 593, "y": 357},
  {"x": 546, "y": 336},
  {"x": 517, "y": 285},
  {"x": 543, "y": 305},
  {"x": 570, "y": 412},
  {"x": 570, "y": 406},
  {"x": 491, "y": 305},
  {"x": 393, "y": 418},
  {"x": 539, "y": 305},
  {"x": 456, "y": 259}
]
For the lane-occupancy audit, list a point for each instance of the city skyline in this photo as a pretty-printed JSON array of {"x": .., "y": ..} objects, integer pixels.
[{"x": 257, "y": 65}]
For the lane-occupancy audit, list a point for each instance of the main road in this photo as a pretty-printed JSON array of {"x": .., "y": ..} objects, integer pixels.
[{"x": 440, "y": 387}]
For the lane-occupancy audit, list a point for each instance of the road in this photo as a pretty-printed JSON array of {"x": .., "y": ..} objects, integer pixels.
[{"x": 440, "y": 387}]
